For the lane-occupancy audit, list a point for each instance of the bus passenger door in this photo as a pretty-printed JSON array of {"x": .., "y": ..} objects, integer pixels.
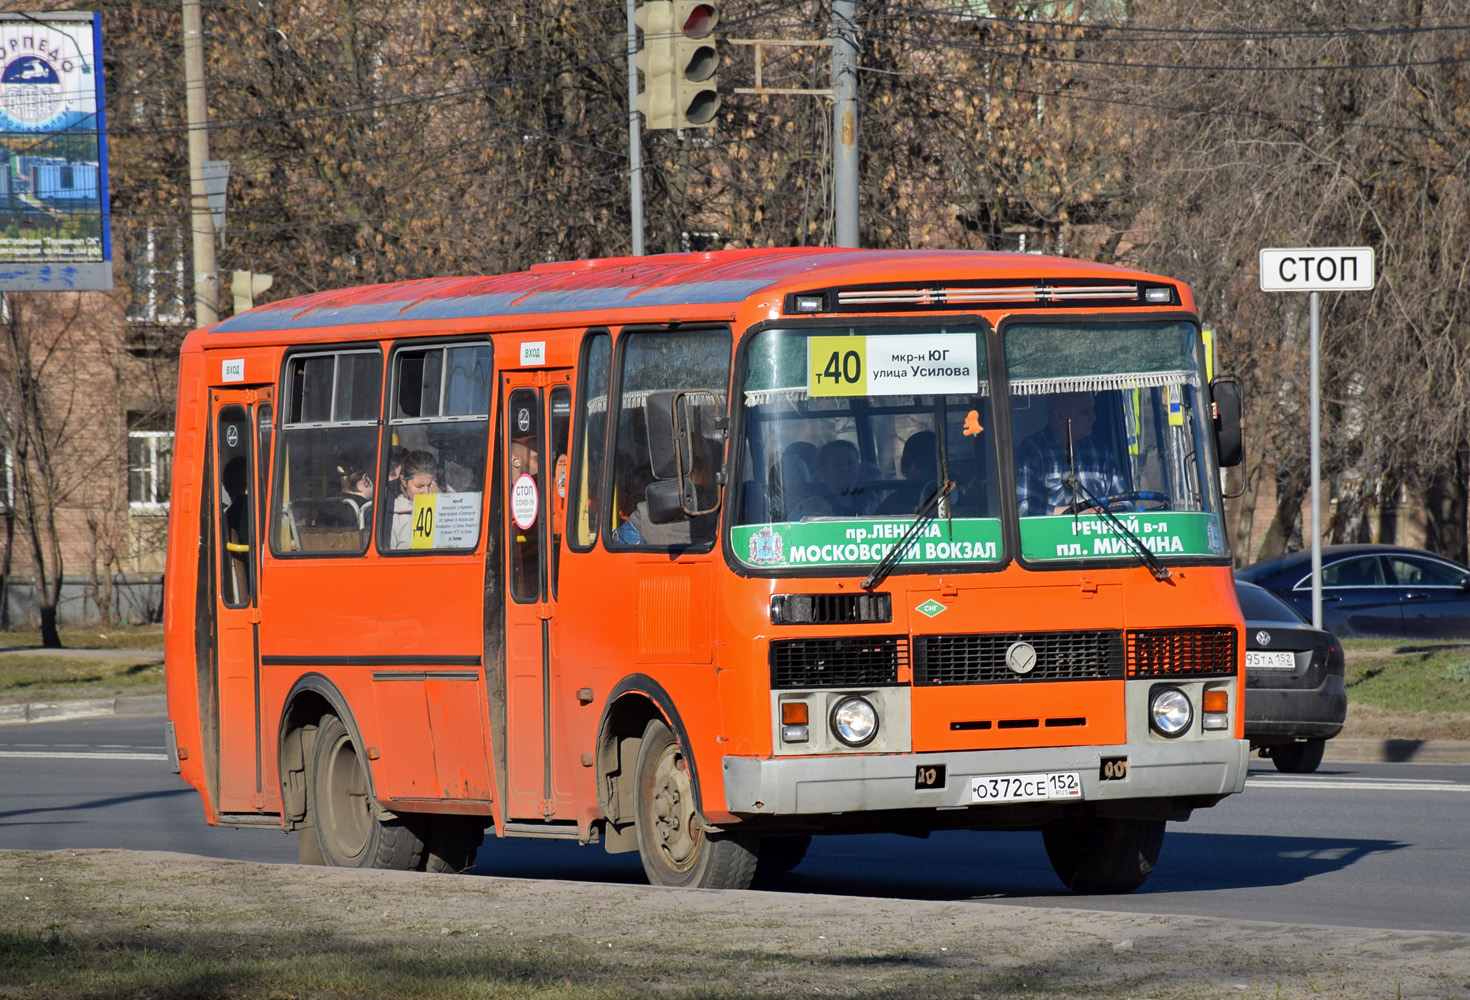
[
  {"x": 238, "y": 488},
  {"x": 537, "y": 414}
]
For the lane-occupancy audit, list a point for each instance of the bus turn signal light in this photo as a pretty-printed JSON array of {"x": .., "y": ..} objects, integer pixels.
[
  {"x": 795, "y": 726},
  {"x": 1216, "y": 703}
]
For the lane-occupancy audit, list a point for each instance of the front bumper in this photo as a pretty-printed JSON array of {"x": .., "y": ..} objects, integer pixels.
[{"x": 811, "y": 786}]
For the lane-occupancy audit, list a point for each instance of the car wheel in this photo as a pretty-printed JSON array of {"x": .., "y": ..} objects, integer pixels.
[{"x": 1298, "y": 758}]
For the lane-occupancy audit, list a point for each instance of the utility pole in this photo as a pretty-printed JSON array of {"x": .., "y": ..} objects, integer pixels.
[
  {"x": 635, "y": 135},
  {"x": 206, "y": 281},
  {"x": 844, "y": 122}
]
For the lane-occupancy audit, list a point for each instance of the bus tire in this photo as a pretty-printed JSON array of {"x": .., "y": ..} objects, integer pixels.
[
  {"x": 349, "y": 830},
  {"x": 673, "y": 843},
  {"x": 1298, "y": 758},
  {"x": 779, "y": 855},
  {"x": 1103, "y": 855},
  {"x": 452, "y": 843}
]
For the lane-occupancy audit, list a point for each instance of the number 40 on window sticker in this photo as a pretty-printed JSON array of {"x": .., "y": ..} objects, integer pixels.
[{"x": 893, "y": 365}]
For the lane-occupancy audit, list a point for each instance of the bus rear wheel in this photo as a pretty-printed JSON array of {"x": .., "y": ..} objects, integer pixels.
[
  {"x": 673, "y": 843},
  {"x": 1103, "y": 855},
  {"x": 349, "y": 830}
]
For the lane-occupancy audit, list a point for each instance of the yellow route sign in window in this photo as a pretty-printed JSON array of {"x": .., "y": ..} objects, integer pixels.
[{"x": 893, "y": 365}]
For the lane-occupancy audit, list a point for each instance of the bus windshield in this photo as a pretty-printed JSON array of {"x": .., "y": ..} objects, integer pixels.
[
  {"x": 1108, "y": 415},
  {"x": 849, "y": 432}
]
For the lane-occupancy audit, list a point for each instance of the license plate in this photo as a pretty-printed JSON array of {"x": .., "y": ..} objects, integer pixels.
[
  {"x": 1273, "y": 660},
  {"x": 1026, "y": 787}
]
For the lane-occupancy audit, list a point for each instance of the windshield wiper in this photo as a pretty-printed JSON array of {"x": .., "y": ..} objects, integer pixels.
[
  {"x": 891, "y": 558},
  {"x": 1158, "y": 569}
]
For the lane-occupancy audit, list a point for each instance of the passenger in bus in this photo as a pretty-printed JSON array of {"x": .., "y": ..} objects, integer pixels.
[
  {"x": 839, "y": 465},
  {"x": 919, "y": 465},
  {"x": 788, "y": 482},
  {"x": 357, "y": 489},
  {"x": 1043, "y": 465},
  {"x": 420, "y": 474}
]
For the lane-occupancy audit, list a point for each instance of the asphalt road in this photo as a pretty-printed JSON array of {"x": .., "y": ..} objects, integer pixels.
[{"x": 1362, "y": 845}]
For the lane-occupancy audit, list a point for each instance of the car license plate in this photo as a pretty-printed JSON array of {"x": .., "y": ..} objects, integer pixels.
[
  {"x": 1274, "y": 660},
  {"x": 1026, "y": 787}
]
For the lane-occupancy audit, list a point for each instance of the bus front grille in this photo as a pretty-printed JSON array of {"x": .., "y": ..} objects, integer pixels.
[
  {"x": 855, "y": 661},
  {"x": 1004, "y": 657},
  {"x": 1182, "y": 652}
]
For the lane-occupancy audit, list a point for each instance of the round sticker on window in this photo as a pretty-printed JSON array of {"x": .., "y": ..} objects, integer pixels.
[{"x": 524, "y": 502}]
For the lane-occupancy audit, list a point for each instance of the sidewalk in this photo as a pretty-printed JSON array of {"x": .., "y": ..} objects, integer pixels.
[{"x": 1338, "y": 751}]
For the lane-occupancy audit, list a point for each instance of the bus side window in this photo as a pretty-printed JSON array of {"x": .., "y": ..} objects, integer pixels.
[
  {"x": 586, "y": 489},
  {"x": 327, "y": 447},
  {"x": 432, "y": 478},
  {"x": 660, "y": 362}
]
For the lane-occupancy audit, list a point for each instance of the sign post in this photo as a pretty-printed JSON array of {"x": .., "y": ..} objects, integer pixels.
[{"x": 1315, "y": 270}]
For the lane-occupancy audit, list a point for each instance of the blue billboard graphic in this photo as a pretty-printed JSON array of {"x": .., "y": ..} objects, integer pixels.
[{"x": 54, "y": 215}]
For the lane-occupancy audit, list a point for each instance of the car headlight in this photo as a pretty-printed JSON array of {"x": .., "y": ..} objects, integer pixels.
[
  {"x": 1170, "y": 713},
  {"x": 855, "y": 721}
]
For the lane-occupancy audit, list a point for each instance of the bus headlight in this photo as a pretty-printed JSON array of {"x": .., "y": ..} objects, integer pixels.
[
  {"x": 1170, "y": 713},
  {"x": 855, "y": 721}
]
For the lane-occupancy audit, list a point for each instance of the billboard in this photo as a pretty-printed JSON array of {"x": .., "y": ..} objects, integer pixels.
[{"x": 54, "y": 213}]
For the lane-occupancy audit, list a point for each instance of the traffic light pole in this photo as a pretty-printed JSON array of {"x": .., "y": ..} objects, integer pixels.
[
  {"x": 635, "y": 137},
  {"x": 844, "y": 122}
]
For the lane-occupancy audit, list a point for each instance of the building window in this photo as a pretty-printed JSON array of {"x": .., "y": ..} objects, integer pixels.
[
  {"x": 7, "y": 480},
  {"x": 159, "y": 280},
  {"x": 150, "y": 462}
]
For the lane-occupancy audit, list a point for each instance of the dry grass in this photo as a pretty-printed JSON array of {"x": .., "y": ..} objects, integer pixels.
[{"x": 97, "y": 924}]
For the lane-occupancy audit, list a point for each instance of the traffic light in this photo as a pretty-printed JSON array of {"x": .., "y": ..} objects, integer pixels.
[
  {"x": 678, "y": 61},
  {"x": 245, "y": 286}
]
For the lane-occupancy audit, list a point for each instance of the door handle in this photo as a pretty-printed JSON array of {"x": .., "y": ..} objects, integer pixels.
[{"x": 1416, "y": 596}]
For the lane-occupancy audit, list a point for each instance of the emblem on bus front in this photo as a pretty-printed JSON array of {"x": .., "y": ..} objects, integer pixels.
[
  {"x": 1021, "y": 657},
  {"x": 765, "y": 547},
  {"x": 931, "y": 607}
]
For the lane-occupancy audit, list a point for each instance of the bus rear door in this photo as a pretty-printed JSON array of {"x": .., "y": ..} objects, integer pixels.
[
  {"x": 535, "y": 422},
  {"x": 240, "y": 483}
]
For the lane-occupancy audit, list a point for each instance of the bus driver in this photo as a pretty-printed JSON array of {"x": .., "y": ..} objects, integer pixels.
[{"x": 1042, "y": 462}]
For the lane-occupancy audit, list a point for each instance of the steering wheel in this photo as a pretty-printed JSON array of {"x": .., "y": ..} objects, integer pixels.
[{"x": 1138, "y": 501}]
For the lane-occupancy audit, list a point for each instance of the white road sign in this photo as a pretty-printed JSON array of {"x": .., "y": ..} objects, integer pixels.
[{"x": 1317, "y": 269}]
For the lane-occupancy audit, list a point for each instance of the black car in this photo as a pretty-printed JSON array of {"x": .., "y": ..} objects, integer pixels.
[
  {"x": 1294, "y": 696},
  {"x": 1373, "y": 590}
]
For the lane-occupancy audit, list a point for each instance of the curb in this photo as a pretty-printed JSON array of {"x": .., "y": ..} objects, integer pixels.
[
  {"x": 52, "y": 711},
  {"x": 1397, "y": 751}
]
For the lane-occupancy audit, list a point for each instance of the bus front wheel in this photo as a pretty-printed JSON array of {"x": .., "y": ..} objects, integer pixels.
[
  {"x": 1096, "y": 854},
  {"x": 673, "y": 843},
  {"x": 349, "y": 830}
]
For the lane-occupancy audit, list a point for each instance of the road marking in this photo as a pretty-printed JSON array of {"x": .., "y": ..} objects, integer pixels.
[
  {"x": 1350, "y": 785},
  {"x": 79, "y": 755}
]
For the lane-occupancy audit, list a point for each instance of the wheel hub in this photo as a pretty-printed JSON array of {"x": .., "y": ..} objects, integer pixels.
[{"x": 678, "y": 836}]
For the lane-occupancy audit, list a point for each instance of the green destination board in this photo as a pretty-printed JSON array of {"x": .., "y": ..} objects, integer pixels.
[
  {"x": 857, "y": 542},
  {"x": 1091, "y": 536}
]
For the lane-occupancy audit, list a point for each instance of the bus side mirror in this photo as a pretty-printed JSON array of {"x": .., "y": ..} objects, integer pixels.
[
  {"x": 663, "y": 443},
  {"x": 665, "y": 502},
  {"x": 686, "y": 445},
  {"x": 1226, "y": 399}
]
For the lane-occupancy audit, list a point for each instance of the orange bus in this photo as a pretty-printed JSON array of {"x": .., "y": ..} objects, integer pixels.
[{"x": 702, "y": 555}]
